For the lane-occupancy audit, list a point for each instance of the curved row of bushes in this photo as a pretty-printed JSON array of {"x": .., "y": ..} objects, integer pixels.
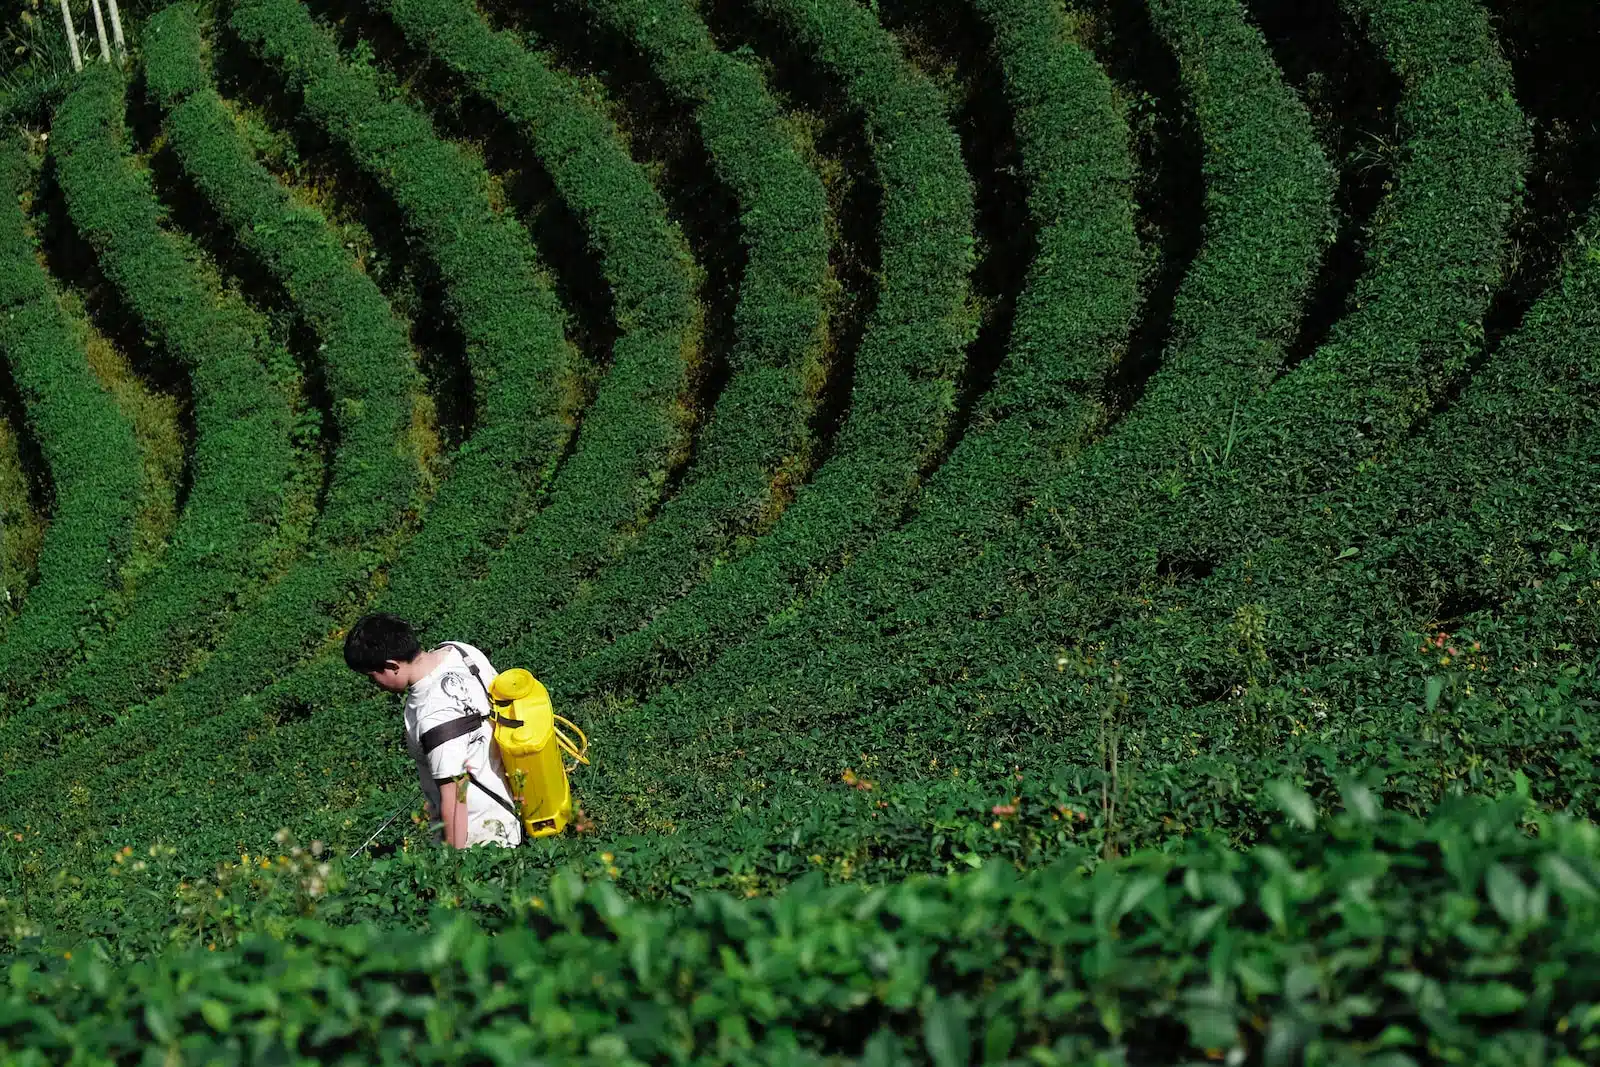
[
  {"x": 594, "y": 497},
  {"x": 241, "y": 455},
  {"x": 926, "y": 225},
  {"x": 1302, "y": 659},
  {"x": 1268, "y": 197},
  {"x": 522, "y": 370},
  {"x": 906, "y": 366},
  {"x": 1435, "y": 258},
  {"x": 88, "y": 446},
  {"x": 635, "y": 430},
  {"x": 372, "y": 494},
  {"x": 524, "y": 385},
  {"x": 754, "y": 443},
  {"x": 1097, "y": 547},
  {"x": 368, "y": 368},
  {"x": 1491, "y": 499},
  {"x": 1073, "y": 318},
  {"x": 1298, "y": 951}
]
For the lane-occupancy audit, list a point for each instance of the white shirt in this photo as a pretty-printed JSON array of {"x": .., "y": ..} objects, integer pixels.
[{"x": 445, "y": 694}]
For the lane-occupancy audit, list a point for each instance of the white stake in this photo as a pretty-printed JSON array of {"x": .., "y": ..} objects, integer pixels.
[
  {"x": 72, "y": 36},
  {"x": 100, "y": 28},
  {"x": 116, "y": 32}
]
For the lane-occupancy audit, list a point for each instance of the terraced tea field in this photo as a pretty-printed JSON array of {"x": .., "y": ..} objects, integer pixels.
[{"x": 1072, "y": 529}]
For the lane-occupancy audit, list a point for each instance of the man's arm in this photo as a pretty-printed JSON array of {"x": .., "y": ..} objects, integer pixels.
[{"x": 453, "y": 801}]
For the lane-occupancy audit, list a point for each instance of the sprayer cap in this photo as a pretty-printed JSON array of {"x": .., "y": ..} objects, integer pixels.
[{"x": 512, "y": 685}]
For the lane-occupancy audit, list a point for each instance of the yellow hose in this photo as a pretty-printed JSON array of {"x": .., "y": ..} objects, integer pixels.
[{"x": 567, "y": 745}]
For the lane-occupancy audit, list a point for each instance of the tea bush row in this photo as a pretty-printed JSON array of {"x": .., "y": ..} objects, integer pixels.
[
  {"x": 1520, "y": 722},
  {"x": 1284, "y": 953},
  {"x": 371, "y": 496},
  {"x": 643, "y": 731},
  {"x": 1106, "y": 534},
  {"x": 637, "y": 419},
  {"x": 904, "y": 389},
  {"x": 753, "y": 448},
  {"x": 1486, "y": 516},
  {"x": 1072, "y": 321},
  {"x": 1491, "y": 499},
  {"x": 635, "y": 430},
  {"x": 1435, "y": 258},
  {"x": 87, "y": 444},
  {"x": 523, "y": 369},
  {"x": 241, "y": 456},
  {"x": 1268, "y": 190},
  {"x": 920, "y": 222}
]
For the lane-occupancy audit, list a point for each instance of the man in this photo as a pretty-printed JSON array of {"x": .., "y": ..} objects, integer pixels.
[{"x": 447, "y": 725}]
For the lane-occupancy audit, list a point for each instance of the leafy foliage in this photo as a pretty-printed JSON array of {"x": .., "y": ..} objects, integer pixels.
[
  {"x": 242, "y": 451},
  {"x": 1162, "y": 957},
  {"x": 904, "y": 388},
  {"x": 752, "y": 448},
  {"x": 522, "y": 367},
  {"x": 87, "y": 443},
  {"x": 635, "y": 430},
  {"x": 1242, "y": 714}
]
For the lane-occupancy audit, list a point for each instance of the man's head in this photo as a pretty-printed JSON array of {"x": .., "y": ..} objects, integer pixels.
[{"x": 382, "y": 647}]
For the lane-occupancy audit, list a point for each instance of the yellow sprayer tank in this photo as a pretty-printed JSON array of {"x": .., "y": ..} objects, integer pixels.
[{"x": 532, "y": 752}]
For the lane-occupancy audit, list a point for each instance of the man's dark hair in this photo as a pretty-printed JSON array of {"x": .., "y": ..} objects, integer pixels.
[{"x": 378, "y": 638}]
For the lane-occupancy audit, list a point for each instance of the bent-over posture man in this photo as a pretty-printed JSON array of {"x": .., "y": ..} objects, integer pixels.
[{"x": 448, "y": 726}]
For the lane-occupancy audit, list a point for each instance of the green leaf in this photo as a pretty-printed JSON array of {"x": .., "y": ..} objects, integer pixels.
[
  {"x": 1211, "y": 1026},
  {"x": 1360, "y": 801},
  {"x": 1486, "y": 999},
  {"x": 998, "y": 1037},
  {"x": 1567, "y": 878},
  {"x": 216, "y": 1014},
  {"x": 944, "y": 1031},
  {"x": 1507, "y": 894},
  {"x": 1295, "y": 802}
]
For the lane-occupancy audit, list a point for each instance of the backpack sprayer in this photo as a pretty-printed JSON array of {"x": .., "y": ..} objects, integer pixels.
[{"x": 534, "y": 749}]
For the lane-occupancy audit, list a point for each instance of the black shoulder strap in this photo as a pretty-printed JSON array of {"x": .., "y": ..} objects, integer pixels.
[
  {"x": 449, "y": 731},
  {"x": 496, "y": 797}
]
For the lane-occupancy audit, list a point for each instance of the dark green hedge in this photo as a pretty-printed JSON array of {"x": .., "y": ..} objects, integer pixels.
[
  {"x": 1268, "y": 202},
  {"x": 1494, "y": 498},
  {"x": 631, "y": 432},
  {"x": 320, "y": 758},
  {"x": 522, "y": 372},
  {"x": 88, "y": 446},
  {"x": 524, "y": 386},
  {"x": 1073, "y": 317},
  {"x": 1435, "y": 257},
  {"x": 1372, "y": 939},
  {"x": 635, "y": 430},
  {"x": 906, "y": 365},
  {"x": 1188, "y": 481},
  {"x": 241, "y": 456},
  {"x": 371, "y": 495},
  {"x": 755, "y": 441}
]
